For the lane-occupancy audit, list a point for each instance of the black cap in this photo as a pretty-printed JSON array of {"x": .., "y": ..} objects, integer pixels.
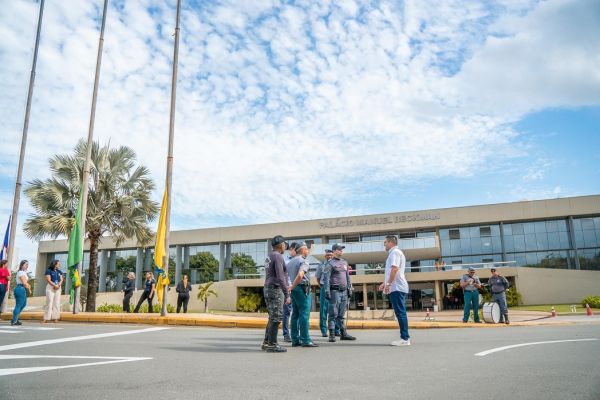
[
  {"x": 328, "y": 251},
  {"x": 300, "y": 244},
  {"x": 493, "y": 269},
  {"x": 277, "y": 240},
  {"x": 293, "y": 245},
  {"x": 337, "y": 246}
]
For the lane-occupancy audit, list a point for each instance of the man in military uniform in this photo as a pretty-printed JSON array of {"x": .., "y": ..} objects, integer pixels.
[
  {"x": 300, "y": 293},
  {"x": 337, "y": 286},
  {"x": 498, "y": 285},
  {"x": 287, "y": 307},
  {"x": 323, "y": 302},
  {"x": 275, "y": 292}
]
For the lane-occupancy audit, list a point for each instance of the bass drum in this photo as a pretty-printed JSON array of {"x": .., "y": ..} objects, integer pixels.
[{"x": 491, "y": 312}]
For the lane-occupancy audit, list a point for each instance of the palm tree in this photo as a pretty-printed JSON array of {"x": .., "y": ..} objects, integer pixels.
[
  {"x": 204, "y": 292},
  {"x": 119, "y": 202}
]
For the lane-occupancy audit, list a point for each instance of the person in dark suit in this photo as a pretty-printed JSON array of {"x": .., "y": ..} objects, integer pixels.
[
  {"x": 183, "y": 294},
  {"x": 128, "y": 288}
]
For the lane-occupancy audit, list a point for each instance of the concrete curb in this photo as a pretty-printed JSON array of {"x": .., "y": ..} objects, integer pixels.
[{"x": 223, "y": 321}]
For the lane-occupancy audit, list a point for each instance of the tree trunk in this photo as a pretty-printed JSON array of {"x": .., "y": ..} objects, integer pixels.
[
  {"x": 206, "y": 304},
  {"x": 90, "y": 305}
]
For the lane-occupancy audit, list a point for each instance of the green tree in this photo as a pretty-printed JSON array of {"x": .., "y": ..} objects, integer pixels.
[
  {"x": 243, "y": 263},
  {"x": 206, "y": 263},
  {"x": 204, "y": 292},
  {"x": 126, "y": 264},
  {"x": 119, "y": 202}
]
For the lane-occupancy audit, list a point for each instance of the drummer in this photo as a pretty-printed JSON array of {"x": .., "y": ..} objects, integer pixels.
[{"x": 471, "y": 284}]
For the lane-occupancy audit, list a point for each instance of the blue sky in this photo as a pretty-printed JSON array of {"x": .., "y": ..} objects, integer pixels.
[{"x": 300, "y": 110}]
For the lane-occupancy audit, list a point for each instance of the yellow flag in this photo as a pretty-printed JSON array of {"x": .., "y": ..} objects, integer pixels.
[
  {"x": 160, "y": 251},
  {"x": 161, "y": 232}
]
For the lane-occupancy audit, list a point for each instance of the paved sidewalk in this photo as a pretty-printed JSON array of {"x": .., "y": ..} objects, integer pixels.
[{"x": 447, "y": 319}]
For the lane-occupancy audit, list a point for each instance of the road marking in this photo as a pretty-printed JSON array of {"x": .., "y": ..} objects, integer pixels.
[
  {"x": 108, "y": 360},
  {"x": 77, "y": 338},
  {"x": 497, "y": 349},
  {"x": 2, "y": 331},
  {"x": 31, "y": 328}
]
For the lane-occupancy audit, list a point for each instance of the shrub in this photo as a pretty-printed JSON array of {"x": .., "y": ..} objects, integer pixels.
[
  {"x": 250, "y": 301},
  {"x": 110, "y": 308},
  {"x": 593, "y": 301}
]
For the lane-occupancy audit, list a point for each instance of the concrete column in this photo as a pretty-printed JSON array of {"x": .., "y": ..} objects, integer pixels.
[
  {"x": 139, "y": 262},
  {"x": 228, "y": 256},
  {"x": 120, "y": 275},
  {"x": 573, "y": 242},
  {"x": 112, "y": 262},
  {"x": 221, "y": 261},
  {"x": 148, "y": 259},
  {"x": 102, "y": 274},
  {"x": 438, "y": 295},
  {"x": 365, "y": 296},
  {"x": 178, "y": 256},
  {"x": 186, "y": 257},
  {"x": 502, "y": 241}
]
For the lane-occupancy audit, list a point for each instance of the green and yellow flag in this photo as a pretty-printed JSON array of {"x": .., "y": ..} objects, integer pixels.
[
  {"x": 75, "y": 257},
  {"x": 160, "y": 251}
]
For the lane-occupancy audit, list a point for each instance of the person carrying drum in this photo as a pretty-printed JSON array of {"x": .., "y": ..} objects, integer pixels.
[
  {"x": 498, "y": 285},
  {"x": 470, "y": 284}
]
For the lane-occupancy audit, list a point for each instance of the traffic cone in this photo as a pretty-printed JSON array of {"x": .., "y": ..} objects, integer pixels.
[
  {"x": 427, "y": 316},
  {"x": 553, "y": 311},
  {"x": 588, "y": 310}
]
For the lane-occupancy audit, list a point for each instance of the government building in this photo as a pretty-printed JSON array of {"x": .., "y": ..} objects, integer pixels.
[{"x": 548, "y": 249}]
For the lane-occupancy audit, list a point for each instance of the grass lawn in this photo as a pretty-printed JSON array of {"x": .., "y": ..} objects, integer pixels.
[{"x": 560, "y": 308}]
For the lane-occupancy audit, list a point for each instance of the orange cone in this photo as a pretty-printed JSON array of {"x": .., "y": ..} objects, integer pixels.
[{"x": 588, "y": 310}]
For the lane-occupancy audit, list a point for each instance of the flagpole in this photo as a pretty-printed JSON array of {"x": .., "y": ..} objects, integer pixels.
[
  {"x": 168, "y": 181},
  {"x": 17, "y": 197},
  {"x": 90, "y": 140}
]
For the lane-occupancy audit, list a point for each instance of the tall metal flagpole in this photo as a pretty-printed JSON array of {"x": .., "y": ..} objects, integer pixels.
[
  {"x": 17, "y": 198},
  {"x": 168, "y": 182},
  {"x": 90, "y": 140}
]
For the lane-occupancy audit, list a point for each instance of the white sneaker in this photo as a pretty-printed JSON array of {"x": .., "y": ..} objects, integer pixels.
[{"x": 401, "y": 342}]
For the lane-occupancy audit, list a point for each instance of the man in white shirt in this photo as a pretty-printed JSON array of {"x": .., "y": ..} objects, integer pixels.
[{"x": 396, "y": 287}]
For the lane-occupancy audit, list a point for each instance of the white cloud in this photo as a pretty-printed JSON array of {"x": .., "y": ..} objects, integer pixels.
[{"x": 275, "y": 100}]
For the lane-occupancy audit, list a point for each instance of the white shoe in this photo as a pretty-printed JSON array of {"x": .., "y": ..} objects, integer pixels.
[{"x": 401, "y": 342}]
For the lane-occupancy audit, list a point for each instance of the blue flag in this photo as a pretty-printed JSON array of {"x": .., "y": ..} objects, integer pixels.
[{"x": 5, "y": 243}]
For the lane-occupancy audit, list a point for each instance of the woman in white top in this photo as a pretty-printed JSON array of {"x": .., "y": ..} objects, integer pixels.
[{"x": 19, "y": 292}]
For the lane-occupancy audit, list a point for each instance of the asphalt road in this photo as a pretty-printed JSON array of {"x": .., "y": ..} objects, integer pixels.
[{"x": 211, "y": 363}]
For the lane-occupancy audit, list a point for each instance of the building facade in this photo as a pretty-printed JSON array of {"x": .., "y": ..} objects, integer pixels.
[{"x": 552, "y": 234}]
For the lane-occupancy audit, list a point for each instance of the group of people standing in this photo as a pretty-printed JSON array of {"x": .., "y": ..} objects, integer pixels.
[
  {"x": 54, "y": 280},
  {"x": 287, "y": 290},
  {"x": 183, "y": 292}
]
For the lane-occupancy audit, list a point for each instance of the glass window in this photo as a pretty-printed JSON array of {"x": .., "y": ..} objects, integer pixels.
[
  {"x": 519, "y": 241},
  {"x": 508, "y": 229},
  {"x": 542, "y": 241},
  {"x": 495, "y": 230},
  {"x": 551, "y": 226},
  {"x": 553, "y": 240},
  {"x": 509, "y": 244},
  {"x": 485, "y": 231},
  {"x": 517, "y": 229},
  {"x": 464, "y": 233},
  {"x": 589, "y": 238},
  {"x": 444, "y": 234},
  {"x": 529, "y": 227},
  {"x": 564, "y": 240},
  {"x": 474, "y": 232},
  {"x": 454, "y": 234},
  {"x": 539, "y": 227},
  {"x": 455, "y": 249},
  {"x": 475, "y": 246},
  {"x": 587, "y": 223}
]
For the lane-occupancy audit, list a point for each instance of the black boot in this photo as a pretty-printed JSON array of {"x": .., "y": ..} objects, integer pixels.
[
  {"x": 345, "y": 336},
  {"x": 265, "y": 343},
  {"x": 331, "y": 335},
  {"x": 506, "y": 321},
  {"x": 272, "y": 346}
]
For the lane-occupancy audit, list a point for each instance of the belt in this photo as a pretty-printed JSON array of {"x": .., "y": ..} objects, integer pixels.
[
  {"x": 20, "y": 284},
  {"x": 338, "y": 287},
  {"x": 272, "y": 286}
]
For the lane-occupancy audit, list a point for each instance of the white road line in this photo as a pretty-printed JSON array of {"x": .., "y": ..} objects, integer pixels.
[
  {"x": 77, "y": 338},
  {"x": 30, "y": 328},
  {"x": 497, "y": 349},
  {"x": 110, "y": 360},
  {"x": 3, "y": 331}
]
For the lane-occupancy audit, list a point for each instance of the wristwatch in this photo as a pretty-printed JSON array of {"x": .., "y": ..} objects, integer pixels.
[{"x": 388, "y": 284}]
